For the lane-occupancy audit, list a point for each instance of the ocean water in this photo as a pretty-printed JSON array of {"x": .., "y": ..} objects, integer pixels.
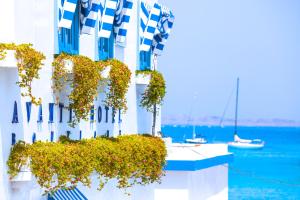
[{"x": 270, "y": 173}]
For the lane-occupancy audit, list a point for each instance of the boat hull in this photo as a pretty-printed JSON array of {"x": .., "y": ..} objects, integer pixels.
[
  {"x": 239, "y": 145},
  {"x": 196, "y": 141}
]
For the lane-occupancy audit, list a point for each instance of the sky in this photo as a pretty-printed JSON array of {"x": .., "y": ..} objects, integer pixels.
[{"x": 215, "y": 41}]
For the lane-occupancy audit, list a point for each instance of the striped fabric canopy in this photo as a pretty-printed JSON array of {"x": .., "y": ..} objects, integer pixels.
[
  {"x": 164, "y": 28},
  {"x": 74, "y": 194},
  {"x": 107, "y": 19},
  {"x": 112, "y": 15},
  {"x": 122, "y": 18},
  {"x": 150, "y": 17},
  {"x": 89, "y": 16},
  {"x": 66, "y": 12},
  {"x": 156, "y": 23}
]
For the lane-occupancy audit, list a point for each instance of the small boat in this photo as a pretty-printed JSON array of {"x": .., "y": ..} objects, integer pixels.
[
  {"x": 250, "y": 145},
  {"x": 239, "y": 142},
  {"x": 195, "y": 140}
]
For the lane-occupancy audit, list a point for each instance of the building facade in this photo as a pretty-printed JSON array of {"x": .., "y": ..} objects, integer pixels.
[{"x": 132, "y": 31}]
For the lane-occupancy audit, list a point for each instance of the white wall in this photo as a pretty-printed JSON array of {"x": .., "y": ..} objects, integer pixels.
[{"x": 210, "y": 183}]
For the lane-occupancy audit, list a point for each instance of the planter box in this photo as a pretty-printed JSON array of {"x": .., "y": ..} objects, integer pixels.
[
  {"x": 69, "y": 68},
  {"x": 105, "y": 72},
  {"x": 142, "y": 79},
  {"x": 9, "y": 61},
  {"x": 69, "y": 65},
  {"x": 24, "y": 175}
]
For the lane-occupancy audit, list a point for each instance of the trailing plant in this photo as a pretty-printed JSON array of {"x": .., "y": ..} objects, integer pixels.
[
  {"x": 84, "y": 82},
  {"x": 143, "y": 72},
  {"x": 29, "y": 63},
  {"x": 119, "y": 80},
  {"x": 131, "y": 159},
  {"x": 18, "y": 158},
  {"x": 155, "y": 91},
  {"x": 154, "y": 94}
]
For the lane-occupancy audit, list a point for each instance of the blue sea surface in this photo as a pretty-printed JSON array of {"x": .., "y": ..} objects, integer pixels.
[{"x": 270, "y": 173}]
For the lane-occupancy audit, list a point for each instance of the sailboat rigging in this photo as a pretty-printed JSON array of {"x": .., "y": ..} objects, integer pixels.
[{"x": 238, "y": 142}]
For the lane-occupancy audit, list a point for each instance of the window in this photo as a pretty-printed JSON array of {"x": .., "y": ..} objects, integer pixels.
[
  {"x": 106, "y": 47},
  {"x": 145, "y": 60},
  {"x": 68, "y": 39}
]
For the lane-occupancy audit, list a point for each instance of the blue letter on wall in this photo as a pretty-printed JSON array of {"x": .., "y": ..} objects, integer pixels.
[
  {"x": 99, "y": 114},
  {"x": 61, "y": 106},
  {"x": 51, "y": 110},
  {"x": 40, "y": 115},
  {"x": 28, "y": 110},
  {"x": 15, "y": 118},
  {"x": 106, "y": 113}
]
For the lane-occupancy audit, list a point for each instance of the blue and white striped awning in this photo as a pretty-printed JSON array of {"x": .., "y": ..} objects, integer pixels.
[
  {"x": 74, "y": 194},
  {"x": 89, "y": 16},
  {"x": 122, "y": 19},
  {"x": 66, "y": 12},
  {"x": 164, "y": 28},
  {"x": 112, "y": 15},
  {"x": 156, "y": 23},
  {"x": 149, "y": 18},
  {"x": 107, "y": 19}
]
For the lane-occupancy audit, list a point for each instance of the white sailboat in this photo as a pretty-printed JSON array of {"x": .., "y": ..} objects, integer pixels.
[
  {"x": 196, "y": 140},
  {"x": 239, "y": 142}
]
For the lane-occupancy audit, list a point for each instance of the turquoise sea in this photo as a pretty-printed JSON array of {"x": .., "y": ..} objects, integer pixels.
[{"x": 270, "y": 173}]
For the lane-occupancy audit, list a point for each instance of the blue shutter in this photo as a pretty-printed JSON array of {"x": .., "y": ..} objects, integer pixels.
[
  {"x": 68, "y": 39},
  {"x": 95, "y": 134},
  {"x": 106, "y": 48},
  {"x": 80, "y": 135},
  {"x": 145, "y": 60}
]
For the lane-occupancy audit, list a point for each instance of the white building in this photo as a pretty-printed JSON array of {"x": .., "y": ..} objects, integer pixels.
[{"x": 39, "y": 22}]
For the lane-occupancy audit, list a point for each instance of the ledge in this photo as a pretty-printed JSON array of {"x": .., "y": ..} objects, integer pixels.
[
  {"x": 142, "y": 79},
  {"x": 24, "y": 175},
  {"x": 69, "y": 68},
  {"x": 196, "y": 157},
  {"x": 9, "y": 61}
]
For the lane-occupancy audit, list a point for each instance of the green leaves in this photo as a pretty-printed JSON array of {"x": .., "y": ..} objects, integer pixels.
[
  {"x": 155, "y": 91},
  {"x": 29, "y": 64},
  {"x": 119, "y": 79},
  {"x": 84, "y": 82},
  {"x": 131, "y": 159}
]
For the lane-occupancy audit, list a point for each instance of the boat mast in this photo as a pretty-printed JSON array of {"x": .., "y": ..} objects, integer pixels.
[{"x": 236, "y": 105}]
